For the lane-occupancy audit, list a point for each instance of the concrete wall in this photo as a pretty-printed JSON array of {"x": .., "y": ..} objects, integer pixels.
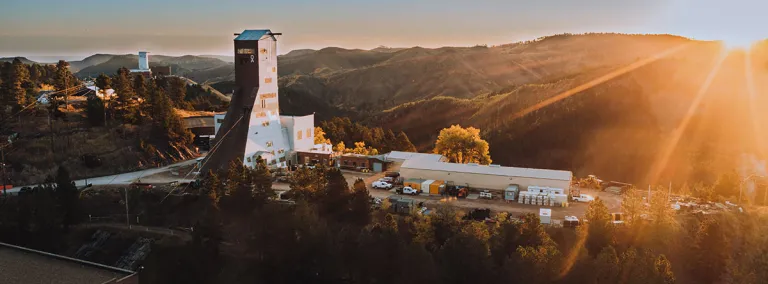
[
  {"x": 482, "y": 181},
  {"x": 301, "y": 131}
]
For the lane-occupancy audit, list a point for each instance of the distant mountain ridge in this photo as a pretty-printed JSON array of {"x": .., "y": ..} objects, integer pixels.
[
  {"x": 23, "y": 59},
  {"x": 180, "y": 65}
]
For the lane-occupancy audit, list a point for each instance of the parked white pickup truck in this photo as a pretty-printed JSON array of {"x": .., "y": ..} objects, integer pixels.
[
  {"x": 583, "y": 198},
  {"x": 381, "y": 184},
  {"x": 408, "y": 190}
]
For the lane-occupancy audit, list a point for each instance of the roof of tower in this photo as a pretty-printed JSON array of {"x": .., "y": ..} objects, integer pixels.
[{"x": 252, "y": 34}]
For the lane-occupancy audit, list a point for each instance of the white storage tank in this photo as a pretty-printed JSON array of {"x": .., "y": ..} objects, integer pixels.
[{"x": 545, "y": 215}]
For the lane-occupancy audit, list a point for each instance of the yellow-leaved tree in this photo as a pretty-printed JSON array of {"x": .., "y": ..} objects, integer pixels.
[
  {"x": 462, "y": 145},
  {"x": 320, "y": 136}
]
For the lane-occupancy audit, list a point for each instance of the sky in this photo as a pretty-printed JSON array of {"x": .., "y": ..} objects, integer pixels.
[{"x": 78, "y": 28}]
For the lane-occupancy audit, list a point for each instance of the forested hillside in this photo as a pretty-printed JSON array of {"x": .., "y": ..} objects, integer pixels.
[{"x": 617, "y": 116}]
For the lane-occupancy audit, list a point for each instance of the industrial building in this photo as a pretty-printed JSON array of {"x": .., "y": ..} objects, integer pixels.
[
  {"x": 252, "y": 127},
  {"x": 492, "y": 177}
]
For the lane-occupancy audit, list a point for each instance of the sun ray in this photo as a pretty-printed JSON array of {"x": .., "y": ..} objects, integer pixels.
[
  {"x": 599, "y": 80},
  {"x": 666, "y": 153},
  {"x": 752, "y": 92}
]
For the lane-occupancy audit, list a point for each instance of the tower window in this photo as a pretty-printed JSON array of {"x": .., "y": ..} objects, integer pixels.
[
  {"x": 298, "y": 135},
  {"x": 267, "y": 80},
  {"x": 246, "y": 51},
  {"x": 309, "y": 133},
  {"x": 274, "y": 69},
  {"x": 265, "y": 123},
  {"x": 269, "y": 143},
  {"x": 263, "y": 103}
]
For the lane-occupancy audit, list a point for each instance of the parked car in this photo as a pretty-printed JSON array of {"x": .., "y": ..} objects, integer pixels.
[
  {"x": 408, "y": 190},
  {"x": 381, "y": 184},
  {"x": 141, "y": 185},
  {"x": 478, "y": 214},
  {"x": 387, "y": 179},
  {"x": 583, "y": 198},
  {"x": 571, "y": 222}
]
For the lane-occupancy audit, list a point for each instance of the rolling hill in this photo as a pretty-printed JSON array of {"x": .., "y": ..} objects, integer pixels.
[
  {"x": 181, "y": 65},
  {"x": 23, "y": 60}
]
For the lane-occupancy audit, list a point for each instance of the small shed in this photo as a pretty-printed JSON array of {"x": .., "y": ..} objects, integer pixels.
[
  {"x": 435, "y": 187},
  {"x": 510, "y": 193},
  {"x": 425, "y": 185},
  {"x": 545, "y": 215}
]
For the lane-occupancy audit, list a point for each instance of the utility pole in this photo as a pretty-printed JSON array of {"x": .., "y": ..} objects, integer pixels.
[
  {"x": 2, "y": 153},
  {"x": 127, "y": 219}
]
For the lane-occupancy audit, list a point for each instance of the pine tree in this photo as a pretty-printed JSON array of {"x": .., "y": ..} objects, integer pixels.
[
  {"x": 262, "y": 183},
  {"x": 177, "y": 91},
  {"x": 103, "y": 82},
  {"x": 122, "y": 85},
  {"x": 19, "y": 84},
  {"x": 405, "y": 143},
  {"x": 140, "y": 87},
  {"x": 62, "y": 83},
  {"x": 67, "y": 197},
  {"x": 95, "y": 111}
]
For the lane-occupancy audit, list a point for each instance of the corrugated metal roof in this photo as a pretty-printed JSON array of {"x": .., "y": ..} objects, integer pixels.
[
  {"x": 424, "y": 164},
  {"x": 252, "y": 34},
  {"x": 398, "y": 155}
]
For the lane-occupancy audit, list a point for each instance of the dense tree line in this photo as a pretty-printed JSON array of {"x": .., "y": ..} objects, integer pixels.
[
  {"x": 39, "y": 217},
  {"x": 20, "y": 83},
  {"x": 343, "y": 130},
  {"x": 331, "y": 234},
  {"x": 139, "y": 100}
]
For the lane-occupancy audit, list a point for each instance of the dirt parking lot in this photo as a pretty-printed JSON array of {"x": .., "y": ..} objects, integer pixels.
[{"x": 613, "y": 201}]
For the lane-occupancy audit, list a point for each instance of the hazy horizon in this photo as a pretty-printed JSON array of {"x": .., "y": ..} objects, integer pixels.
[{"x": 76, "y": 29}]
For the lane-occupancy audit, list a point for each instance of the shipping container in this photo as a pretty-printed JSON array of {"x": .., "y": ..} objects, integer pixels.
[
  {"x": 425, "y": 185},
  {"x": 434, "y": 188},
  {"x": 414, "y": 183}
]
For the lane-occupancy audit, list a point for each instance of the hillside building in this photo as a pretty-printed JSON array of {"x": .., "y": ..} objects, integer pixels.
[
  {"x": 252, "y": 127},
  {"x": 143, "y": 65}
]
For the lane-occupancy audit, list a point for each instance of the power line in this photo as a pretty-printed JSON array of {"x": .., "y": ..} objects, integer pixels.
[{"x": 207, "y": 158}]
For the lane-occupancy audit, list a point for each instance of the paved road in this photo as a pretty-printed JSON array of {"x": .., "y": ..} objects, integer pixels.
[{"x": 122, "y": 179}]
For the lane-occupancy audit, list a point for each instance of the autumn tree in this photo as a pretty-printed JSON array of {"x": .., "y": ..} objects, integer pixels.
[
  {"x": 632, "y": 206},
  {"x": 340, "y": 147},
  {"x": 462, "y": 145},
  {"x": 320, "y": 136},
  {"x": 599, "y": 230}
]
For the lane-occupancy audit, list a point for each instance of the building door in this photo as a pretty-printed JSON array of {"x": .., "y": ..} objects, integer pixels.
[
  {"x": 306, "y": 160},
  {"x": 377, "y": 167}
]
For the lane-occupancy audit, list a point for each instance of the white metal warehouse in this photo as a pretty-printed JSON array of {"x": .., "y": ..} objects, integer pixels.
[{"x": 493, "y": 177}]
